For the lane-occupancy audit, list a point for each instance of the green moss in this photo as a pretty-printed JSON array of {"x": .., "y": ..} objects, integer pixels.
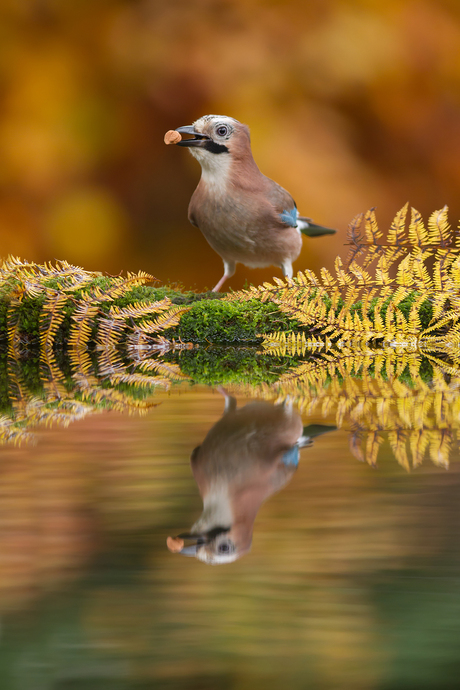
[
  {"x": 230, "y": 322},
  {"x": 229, "y": 365}
]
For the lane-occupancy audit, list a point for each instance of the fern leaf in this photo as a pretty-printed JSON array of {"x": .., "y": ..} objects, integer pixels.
[
  {"x": 373, "y": 443},
  {"x": 371, "y": 229},
  {"x": 139, "y": 309},
  {"x": 164, "y": 321},
  {"x": 51, "y": 318},
  {"x": 398, "y": 440},
  {"x": 397, "y": 231},
  {"x": 418, "y": 234},
  {"x": 439, "y": 229}
]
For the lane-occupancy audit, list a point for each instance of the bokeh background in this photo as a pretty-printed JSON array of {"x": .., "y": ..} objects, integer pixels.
[{"x": 351, "y": 104}]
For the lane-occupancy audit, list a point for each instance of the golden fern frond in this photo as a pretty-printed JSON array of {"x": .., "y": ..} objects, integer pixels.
[
  {"x": 15, "y": 435},
  {"x": 398, "y": 439},
  {"x": 14, "y": 334},
  {"x": 140, "y": 346},
  {"x": 80, "y": 361},
  {"x": 33, "y": 288},
  {"x": 438, "y": 321},
  {"x": 52, "y": 377},
  {"x": 327, "y": 278},
  {"x": 51, "y": 318},
  {"x": 382, "y": 276},
  {"x": 61, "y": 416},
  {"x": 281, "y": 344},
  {"x": 164, "y": 321},
  {"x": 360, "y": 274},
  {"x": 371, "y": 229},
  {"x": 138, "y": 380},
  {"x": 343, "y": 278},
  {"x": 405, "y": 275},
  {"x": 397, "y": 231},
  {"x": 83, "y": 322},
  {"x": 439, "y": 230},
  {"x": 414, "y": 323},
  {"x": 60, "y": 269},
  {"x": 355, "y": 239},
  {"x": 120, "y": 287},
  {"x": 418, "y": 234},
  {"x": 441, "y": 273},
  {"x": 418, "y": 443},
  {"x": 171, "y": 370},
  {"x": 13, "y": 265},
  {"x": 110, "y": 363},
  {"x": 109, "y": 334},
  {"x": 440, "y": 445},
  {"x": 373, "y": 252},
  {"x": 139, "y": 309},
  {"x": 373, "y": 443},
  {"x": 355, "y": 445},
  {"x": 74, "y": 283},
  {"x": 420, "y": 272}
]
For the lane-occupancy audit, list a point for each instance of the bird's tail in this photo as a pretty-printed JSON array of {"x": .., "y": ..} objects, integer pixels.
[
  {"x": 311, "y": 229},
  {"x": 313, "y": 430}
]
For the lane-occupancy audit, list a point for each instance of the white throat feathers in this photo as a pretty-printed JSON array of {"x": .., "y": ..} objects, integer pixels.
[
  {"x": 217, "y": 511},
  {"x": 214, "y": 169}
]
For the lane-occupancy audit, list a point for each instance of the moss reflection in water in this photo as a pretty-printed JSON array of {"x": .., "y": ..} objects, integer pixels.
[
  {"x": 352, "y": 580},
  {"x": 318, "y": 601}
]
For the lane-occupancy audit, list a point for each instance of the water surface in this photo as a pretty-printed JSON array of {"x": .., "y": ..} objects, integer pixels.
[{"x": 351, "y": 580}]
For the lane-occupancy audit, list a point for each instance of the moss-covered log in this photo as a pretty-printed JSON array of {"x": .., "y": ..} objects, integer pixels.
[{"x": 209, "y": 319}]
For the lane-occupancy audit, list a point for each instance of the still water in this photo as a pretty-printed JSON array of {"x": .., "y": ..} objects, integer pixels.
[{"x": 331, "y": 573}]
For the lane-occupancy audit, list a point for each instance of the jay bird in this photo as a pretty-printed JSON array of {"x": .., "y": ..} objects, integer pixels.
[
  {"x": 248, "y": 455},
  {"x": 246, "y": 217}
]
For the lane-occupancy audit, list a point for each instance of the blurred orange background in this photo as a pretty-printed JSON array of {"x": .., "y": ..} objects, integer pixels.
[{"x": 350, "y": 104}]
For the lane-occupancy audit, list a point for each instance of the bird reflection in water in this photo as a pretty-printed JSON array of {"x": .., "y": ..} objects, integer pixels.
[{"x": 248, "y": 455}]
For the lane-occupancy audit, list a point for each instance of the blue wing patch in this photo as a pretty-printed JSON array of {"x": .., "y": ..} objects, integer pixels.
[
  {"x": 289, "y": 217},
  {"x": 291, "y": 457}
]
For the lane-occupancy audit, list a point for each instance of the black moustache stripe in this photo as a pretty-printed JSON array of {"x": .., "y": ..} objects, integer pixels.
[{"x": 212, "y": 147}]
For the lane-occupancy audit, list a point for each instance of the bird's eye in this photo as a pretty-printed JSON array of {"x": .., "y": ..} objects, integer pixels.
[
  {"x": 222, "y": 130},
  {"x": 225, "y": 547}
]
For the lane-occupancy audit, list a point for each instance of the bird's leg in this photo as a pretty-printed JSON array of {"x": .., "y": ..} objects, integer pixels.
[
  {"x": 230, "y": 401},
  {"x": 286, "y": 267},
  {"x": 229, "y": 270}
]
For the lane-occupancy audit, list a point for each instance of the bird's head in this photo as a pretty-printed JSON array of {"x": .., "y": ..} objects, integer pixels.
[
  {"x": 217, "y": 546},
  {"x": 215, "y": 139}
]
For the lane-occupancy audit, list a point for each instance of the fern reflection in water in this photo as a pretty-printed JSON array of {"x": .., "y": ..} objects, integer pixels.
[
  {"x": 378, "y": 352},
  {"x": 408, "y": 386},
  {"x": 88, "y": 377}
]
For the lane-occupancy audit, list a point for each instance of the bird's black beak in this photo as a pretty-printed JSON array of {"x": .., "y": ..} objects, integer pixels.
[
  {"x": 192, "y": 548},
  {"x": 200, "y": 539},
  {"x": 198, "y": 138}
]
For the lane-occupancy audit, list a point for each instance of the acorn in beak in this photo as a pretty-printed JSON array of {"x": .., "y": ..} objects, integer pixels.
[{"x": 177, "y": 545}]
